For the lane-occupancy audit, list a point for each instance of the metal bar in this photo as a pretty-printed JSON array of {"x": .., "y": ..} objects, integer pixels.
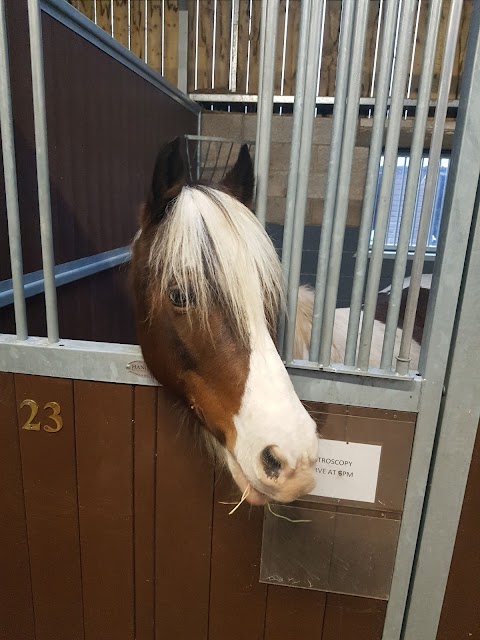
[
  {"x": 129, "y": 26},
  {"x": 190, "y": 136},
  {"x": 33, "y": 283},
  {"x": 182, "y": 72},
  {"x": 184, "y": 8},
  {"x": 197, "y": 12},
  {"x": 247, "y": 75},
  {"x": 408, "y": 211},
  {"x": 205, "y": 161},
  {"x": 414, "y": 48},
  {"x": 434, "y": 156},
  {"x": 225, "y": 168},
  {"x": 214, "y": 42},
  {"x": 10, "y": 176},
  {"x": 43, "y": 179},
  {"x": 377, "y": 40},
  {"x": 389, "y": 166},
  {"x": 78, "y": 23},
  {"x": 145, "y": 32},
  {"x": 341, "y": 86},
  {"x": 322, "y": 34},
  {"x": 303, "y": 171},
  {"x": 453, "y": 453},
  {"x": 284, "y": 49},
  {"x": 345, "y": 172},
  {"x": 264, "y": 118},
  {"x": 123, "y": 363},
  {"x": 261, "y": 71},
  {"x": 456, "y": 224},
  {"x": 232, "y": 76},
  {"x": 294, "y": 152},
  {"x": 111, "y": 19},
  {"x": 252, "y": 98},
  {"x": 95, "y": 11}
]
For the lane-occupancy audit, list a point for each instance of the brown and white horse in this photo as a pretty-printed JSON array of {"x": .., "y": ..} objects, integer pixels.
[{"x": 208, "y": 287}]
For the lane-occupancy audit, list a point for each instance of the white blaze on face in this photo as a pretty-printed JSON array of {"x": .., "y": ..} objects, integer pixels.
[{"x": 271, "y": 415}]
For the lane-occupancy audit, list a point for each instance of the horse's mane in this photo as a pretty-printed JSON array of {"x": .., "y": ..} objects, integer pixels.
[{"x": 214, "y": 250}]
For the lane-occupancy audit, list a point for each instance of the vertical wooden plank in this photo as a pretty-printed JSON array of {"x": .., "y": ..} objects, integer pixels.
[
  {"x": 279, "y": 46},
  {"x": 330, "y": 47},
  {"x": 292, "y": 47},
  {"x": 120, "y": 22},
  {"x": 243, "y": 38},
  {"x": 49, "y": 481},
  {"x": 137, "y": 28},
  {"x": 144, "y": 509},
  {"x": 370, "y": 41},
  {"x": 103, "y": 419},
  {"x": 87, "y": 7},
  {"x": 16, "y": 604},
  {"x": 294, "y": 613},
  {"x": 205, "y": 44},
  {"x": 170, "y": 45},
  {"x": 184, "y": 493},
  {"x": 351, "y": 618},
  {"x": 222, "y": 57},
  {"x": 103, "y": 15},
  {"x": 154, "y": 39},
  {"x": 255, "y": 46},
  {"x": 237, "y": 598},
  {"x": 460, "y": 51}
]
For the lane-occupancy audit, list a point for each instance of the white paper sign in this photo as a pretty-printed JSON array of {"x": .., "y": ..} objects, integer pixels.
[{"x": 347, "y": 470}]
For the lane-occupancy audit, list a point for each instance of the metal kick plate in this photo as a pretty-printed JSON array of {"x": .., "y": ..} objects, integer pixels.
[{"x": 335, "y": 551}]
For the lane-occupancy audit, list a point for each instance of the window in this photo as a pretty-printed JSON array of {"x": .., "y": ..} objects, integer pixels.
[{"x": 398, "y": 195}]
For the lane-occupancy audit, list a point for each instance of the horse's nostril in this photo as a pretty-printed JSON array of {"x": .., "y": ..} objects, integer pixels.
[{"x": 271, "y": 464}]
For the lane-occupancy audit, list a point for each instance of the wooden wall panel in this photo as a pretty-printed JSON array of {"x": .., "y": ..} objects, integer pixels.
[
  {"x": 170, "y": 46},
  {"x": 104, "y": 440},
  {"x": 16, "y": 603},
  {"x": 351, "y": 618},
  {"x": 237, "y": 598},
  {"x": 144, "y": 509},
  {"x": 294, "y": 614},
  {"x": 184, "y": 493},
  {"x": 50, "y": 488}
]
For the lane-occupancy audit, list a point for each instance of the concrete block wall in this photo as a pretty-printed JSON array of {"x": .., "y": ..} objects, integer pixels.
[{"x": 242, "y": 127}]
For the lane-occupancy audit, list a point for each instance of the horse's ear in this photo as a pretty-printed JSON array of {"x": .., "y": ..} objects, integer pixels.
[
  {"x": 169, "y": 176},
  {"x": 240, "y": 180}
]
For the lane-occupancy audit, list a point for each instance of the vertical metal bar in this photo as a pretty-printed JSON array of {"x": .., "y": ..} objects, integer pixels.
[
  {"x": 111, "y": 20},
  {"x": 182, "y": 72},
  {"x": 345, "y": 172},
  {"x": 369, "y": 196},
  {"x": 414, "y": 48},
  {"x": 397, "y": 31},
  {"x": 310, "y": 98},
  {"x": 284, "y": 48},
  {"x": 247, "y": 77},
  {"x": 197, "y": 12},
  {"x": 416, "y": 155},
  {"x": 389, "y": 166},
  {"x": 129, "y": 25},
  {"x": 225, "y": 166},
  {"x": 41, "y": 146},
  {"x": 341, "y": 86},
  {"x": 261, "y": 71},
  {"x": 461, "y": 191},
  {"x": 95, "y": 11},
  {"x": 145, "y": 32},
  {"x": 10, "y": 175},
  {"x": 321, "y": 53},
  {"x": 453, "y": 453},
  {"x": 163, "y": 36},
  {"x": 214, "y": 43},
  {"x": 293, "y": 168},
  {"x": 377, "y": 40},
  {"x": 209, "y": 144},
  {"x": 232, "y": 76},
  {"x": 430, "y": 185},
  {"x": 265, "y": 101}
]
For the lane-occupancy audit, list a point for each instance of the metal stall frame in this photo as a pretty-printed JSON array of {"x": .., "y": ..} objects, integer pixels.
[{"x": 340, "y": 385}]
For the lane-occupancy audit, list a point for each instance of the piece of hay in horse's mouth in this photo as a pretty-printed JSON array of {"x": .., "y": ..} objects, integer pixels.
[{"x": 244, "y": 497}]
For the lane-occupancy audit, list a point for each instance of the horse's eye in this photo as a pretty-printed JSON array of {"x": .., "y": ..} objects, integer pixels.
[{"x": 178, "y": 298}]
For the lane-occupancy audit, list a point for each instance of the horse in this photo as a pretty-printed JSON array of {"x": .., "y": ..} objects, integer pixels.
[{"x": 208, "y": 289}]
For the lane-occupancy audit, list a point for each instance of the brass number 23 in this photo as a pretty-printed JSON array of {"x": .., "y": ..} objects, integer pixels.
[{"x": 35, "y": 426}]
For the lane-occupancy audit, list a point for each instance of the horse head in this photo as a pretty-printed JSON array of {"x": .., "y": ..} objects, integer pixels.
[{"x": 208, "y": 289}]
